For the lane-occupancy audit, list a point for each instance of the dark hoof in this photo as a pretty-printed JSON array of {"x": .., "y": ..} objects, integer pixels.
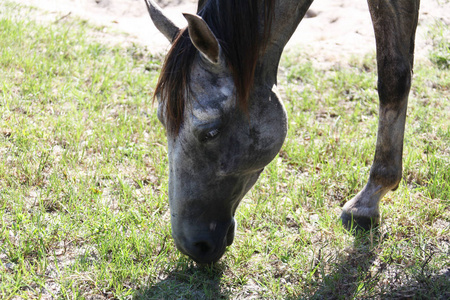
[{"x": 358, "y": 223}]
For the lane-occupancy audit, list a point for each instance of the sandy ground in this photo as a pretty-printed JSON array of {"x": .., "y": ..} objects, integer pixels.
[{"x": 339, "y": 29}]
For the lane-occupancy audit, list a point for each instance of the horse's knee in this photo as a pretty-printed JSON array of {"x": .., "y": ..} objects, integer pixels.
[{"x": 394, "y": 80}]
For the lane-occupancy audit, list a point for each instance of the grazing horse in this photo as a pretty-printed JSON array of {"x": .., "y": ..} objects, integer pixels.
[{"x": 217, "y": 98}]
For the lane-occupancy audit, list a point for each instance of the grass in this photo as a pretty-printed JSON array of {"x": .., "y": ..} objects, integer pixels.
[{"x": 83, "y": 179}]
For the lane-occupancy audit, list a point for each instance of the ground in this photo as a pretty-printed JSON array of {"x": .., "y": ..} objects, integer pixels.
[
  {"x": 334, "y": 30},
  {"x": 83, "y": 165}
]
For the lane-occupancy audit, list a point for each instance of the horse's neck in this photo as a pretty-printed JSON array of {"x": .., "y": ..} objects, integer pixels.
[{"x": 287, "y": 16}]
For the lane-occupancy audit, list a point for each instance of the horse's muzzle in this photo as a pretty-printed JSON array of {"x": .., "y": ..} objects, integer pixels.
[{"x": 207, "y": 246}]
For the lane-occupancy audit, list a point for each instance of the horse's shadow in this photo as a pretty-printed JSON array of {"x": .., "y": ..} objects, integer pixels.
[
  {"x": 350, "y": 272},
  {"x": 354, "y": 278},
  {"x": 188, "y": 281}
]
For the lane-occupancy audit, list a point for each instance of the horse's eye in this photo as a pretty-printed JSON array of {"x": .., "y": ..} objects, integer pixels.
[{"x": 211, "y": 135}]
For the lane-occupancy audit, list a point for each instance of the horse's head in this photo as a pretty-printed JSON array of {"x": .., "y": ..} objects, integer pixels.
[{"x": 217, "y": 147}]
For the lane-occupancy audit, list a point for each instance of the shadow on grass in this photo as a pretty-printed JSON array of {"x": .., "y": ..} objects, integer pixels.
[
  {"x": 344, "y": 281},
  {"x": 188, "y": 281},
  {"x": 361, "y": 275},
  {"x": 421, "y": 284}
]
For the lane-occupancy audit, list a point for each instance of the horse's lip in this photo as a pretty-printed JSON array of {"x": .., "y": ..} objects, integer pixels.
[
  {"x": 230, "y": 234},
  {"x": 210, "y": 260}
]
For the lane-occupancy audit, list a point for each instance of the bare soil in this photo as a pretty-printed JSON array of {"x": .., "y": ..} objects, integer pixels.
[{"x": 334, "y": 29}]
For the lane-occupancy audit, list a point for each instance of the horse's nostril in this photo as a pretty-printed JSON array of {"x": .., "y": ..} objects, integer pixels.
[{"x": 204, "y": 247}]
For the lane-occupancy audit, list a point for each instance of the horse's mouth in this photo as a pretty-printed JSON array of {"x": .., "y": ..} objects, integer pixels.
[
  {"x": 230, "y": 233},
  {"x": 206, "y": 249}
]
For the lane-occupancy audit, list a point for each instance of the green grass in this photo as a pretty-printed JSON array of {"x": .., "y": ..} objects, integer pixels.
[{"x": 83, "y": 179}]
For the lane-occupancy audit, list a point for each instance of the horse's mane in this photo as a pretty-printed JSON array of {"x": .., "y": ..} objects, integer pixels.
[{"x": 236, "y": 25}]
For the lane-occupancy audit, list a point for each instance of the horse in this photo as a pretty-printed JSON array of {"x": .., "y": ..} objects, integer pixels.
[{"x": 225, "y": 121}]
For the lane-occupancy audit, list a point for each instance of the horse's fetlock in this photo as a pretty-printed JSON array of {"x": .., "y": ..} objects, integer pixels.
[{"x": 386, "y": 176}]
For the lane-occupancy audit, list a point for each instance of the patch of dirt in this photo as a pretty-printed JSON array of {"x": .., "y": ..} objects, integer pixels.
[{"x": 334, "y": 30}]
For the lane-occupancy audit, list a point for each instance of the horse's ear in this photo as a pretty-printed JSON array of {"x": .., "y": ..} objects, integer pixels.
[
  {"x": 203, "y": 38},
  {"x": 161, "y": 21}
]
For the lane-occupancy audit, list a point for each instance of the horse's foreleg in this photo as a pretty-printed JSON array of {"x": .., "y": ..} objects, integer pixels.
[{"x": 394, "y": 24}]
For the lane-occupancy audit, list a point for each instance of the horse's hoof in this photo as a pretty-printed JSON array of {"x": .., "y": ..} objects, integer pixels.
[{"x": 358, "y": 223}]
